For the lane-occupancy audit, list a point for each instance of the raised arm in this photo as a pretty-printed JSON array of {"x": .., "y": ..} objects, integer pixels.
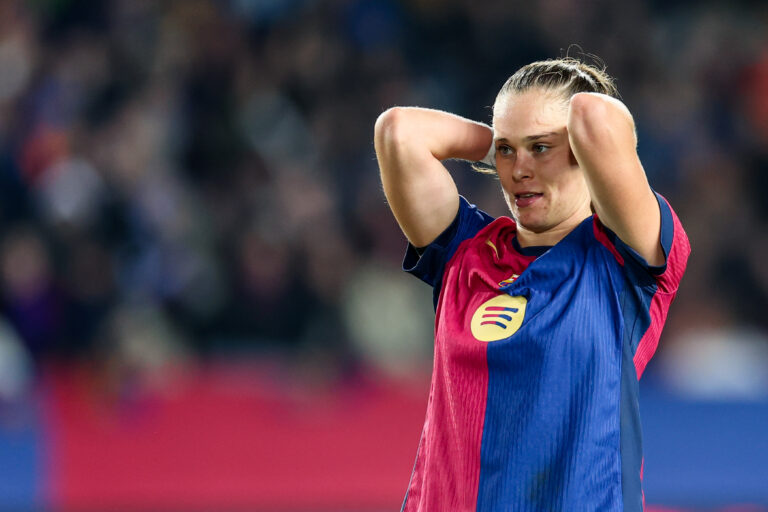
[
  {"x": 410, "y": 144},
  {"x": 602, "y": 136}
]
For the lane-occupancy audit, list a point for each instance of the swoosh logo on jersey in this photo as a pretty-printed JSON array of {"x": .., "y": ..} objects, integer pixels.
[
  {"x": 492, "y": 246},
  {"x": 498, "y": 318}
]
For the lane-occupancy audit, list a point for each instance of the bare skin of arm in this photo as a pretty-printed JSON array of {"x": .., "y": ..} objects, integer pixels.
[
  {"x": 410, "y": 145},
  {"x": 602, "y": 136}
]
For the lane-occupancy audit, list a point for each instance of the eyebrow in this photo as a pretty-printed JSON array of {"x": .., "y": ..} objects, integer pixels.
[
  {"x": 530, "y": 138},
  {"x": 539, "y": 136}
]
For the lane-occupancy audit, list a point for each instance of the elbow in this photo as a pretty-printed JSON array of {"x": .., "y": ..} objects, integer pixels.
[
  {"x": 586, "y": 112},
  {"x": 593, "y": 116},
  {"x": 390, "y": 126},
  {"x": 391, "y": 139},
  {"x": 585, "y": 102}
]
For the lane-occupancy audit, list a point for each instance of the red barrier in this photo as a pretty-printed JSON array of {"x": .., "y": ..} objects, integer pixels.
[{"x": 233, "y": 438}]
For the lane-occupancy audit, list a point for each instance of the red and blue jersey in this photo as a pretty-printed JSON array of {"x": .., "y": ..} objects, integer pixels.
[{"x": 533, "y": 403}]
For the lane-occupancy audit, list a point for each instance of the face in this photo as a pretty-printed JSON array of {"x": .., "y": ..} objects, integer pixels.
[{"x": 542, "y": 182}]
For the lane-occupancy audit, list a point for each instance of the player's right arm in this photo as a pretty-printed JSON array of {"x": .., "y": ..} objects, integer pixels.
[{"x": 410, "y": 145}]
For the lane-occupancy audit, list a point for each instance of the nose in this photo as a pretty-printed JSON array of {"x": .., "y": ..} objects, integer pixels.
[{"x": 523, "y": 167}]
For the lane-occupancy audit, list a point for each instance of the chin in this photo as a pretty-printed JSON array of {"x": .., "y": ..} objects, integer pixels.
[{"x": 533, "y": 225}]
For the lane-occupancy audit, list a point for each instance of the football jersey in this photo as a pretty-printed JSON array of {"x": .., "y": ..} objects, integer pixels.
[{"x": 533, "y": 404}]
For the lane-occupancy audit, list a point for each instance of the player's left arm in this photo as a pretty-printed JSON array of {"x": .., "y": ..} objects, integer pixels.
[{"x": 602, "y": 136}]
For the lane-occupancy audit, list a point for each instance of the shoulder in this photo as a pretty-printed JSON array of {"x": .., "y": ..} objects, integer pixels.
[
  {"x": 673, "y": 241},
  {"x": 428, "y": 263}
]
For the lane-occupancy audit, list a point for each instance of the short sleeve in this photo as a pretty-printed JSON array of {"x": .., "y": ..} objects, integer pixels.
[
  {"x": 674, "y": 244},
  {"x": 428, "y": 263}
]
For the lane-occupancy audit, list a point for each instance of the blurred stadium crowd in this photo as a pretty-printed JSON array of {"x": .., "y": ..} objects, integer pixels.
[{"x": 185, "y": 179}]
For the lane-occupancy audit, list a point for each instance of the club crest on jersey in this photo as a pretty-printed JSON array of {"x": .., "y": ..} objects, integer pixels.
[
  {"x": 507, "y": 281},
  {"x": 498, "y": 318}
]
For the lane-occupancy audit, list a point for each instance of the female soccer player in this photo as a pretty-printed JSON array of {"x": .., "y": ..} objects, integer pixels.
[{"x": 544, "y": 321}]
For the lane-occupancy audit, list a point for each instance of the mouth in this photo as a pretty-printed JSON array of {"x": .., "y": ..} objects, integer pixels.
[{"x": 526, "y": 199}]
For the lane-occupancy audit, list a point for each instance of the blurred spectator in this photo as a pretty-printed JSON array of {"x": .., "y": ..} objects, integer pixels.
[
  {"x": 16, "y": 372},
  {"x": 31, "y": 298},
  {"x": 213, "y": 161},
  {"x": 141, "y": 354}
]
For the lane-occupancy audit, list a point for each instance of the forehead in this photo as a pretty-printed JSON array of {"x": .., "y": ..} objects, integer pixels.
[{"x": 518, "y": 115}]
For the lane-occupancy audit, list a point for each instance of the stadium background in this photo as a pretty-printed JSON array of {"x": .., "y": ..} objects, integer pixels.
[{"x": 202, "y": 307}]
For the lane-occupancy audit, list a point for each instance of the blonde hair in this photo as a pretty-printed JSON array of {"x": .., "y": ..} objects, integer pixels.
[{"x": 566, "y": 75}]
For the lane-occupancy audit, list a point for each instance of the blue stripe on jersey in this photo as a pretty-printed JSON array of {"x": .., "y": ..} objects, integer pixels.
[
  {"x": 667, "y": 226},
  {"x": 635, "y": 301},
  {"x": 636, "y": 304},
  {"x": 551, "y": 430},
  {"x": 631, "y": 434},
  {"x": 430, "y": 266},
  {"x": 565, "y": 384}
]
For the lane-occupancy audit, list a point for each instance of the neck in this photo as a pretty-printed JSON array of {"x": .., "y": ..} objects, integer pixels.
[{"x": 549, "y": 237}]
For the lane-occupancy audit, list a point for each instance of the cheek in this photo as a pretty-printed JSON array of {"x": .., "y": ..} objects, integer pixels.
[
  {"x": 576, "y": 187},
  {"x": 570, "y": 174},
  {"x": 505, "y": 178},
  {"x": 506, "y": 195}
]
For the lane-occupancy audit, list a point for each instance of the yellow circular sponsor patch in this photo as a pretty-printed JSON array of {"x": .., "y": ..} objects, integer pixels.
[{"x": 498, "y": 318}]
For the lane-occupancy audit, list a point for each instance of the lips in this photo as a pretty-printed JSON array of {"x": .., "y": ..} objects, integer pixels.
[{"x": 526, "y": 199}]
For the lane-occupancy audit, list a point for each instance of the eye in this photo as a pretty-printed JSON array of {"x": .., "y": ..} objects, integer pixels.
[
  {"x": 504, "y": 150},
  {"x": 540, "y": 148}
]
